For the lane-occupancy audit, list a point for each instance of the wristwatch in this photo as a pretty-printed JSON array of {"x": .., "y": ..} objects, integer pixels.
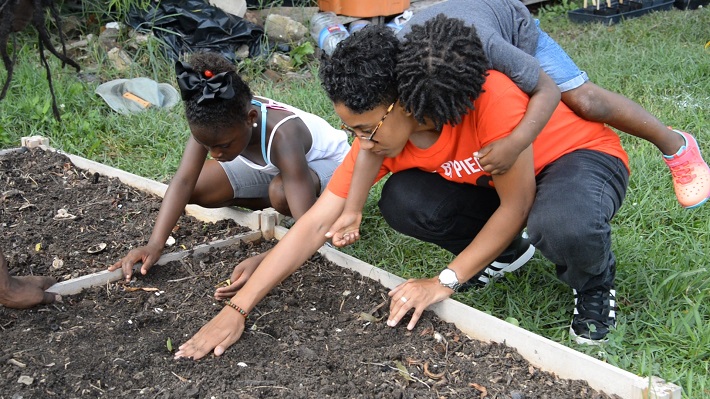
[{"x": 448, "y": 278}]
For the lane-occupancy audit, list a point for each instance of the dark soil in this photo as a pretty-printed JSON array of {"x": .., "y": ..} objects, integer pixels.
[
  {"x": 320, "y": 334},
  {"x": 36, "y": 185}
]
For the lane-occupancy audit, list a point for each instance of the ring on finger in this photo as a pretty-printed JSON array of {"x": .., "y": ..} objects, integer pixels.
[{"x": 403, "y": 299}]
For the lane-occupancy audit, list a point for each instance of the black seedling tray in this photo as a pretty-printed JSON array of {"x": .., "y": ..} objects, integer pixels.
[{"x": 617, "y": 12}]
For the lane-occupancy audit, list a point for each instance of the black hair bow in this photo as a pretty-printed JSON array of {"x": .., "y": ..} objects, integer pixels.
[{"x": 192, "y": 83}]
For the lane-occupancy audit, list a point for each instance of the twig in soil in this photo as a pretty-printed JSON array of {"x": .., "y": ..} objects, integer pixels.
[
  {"x": 182, "y": 379},
  {"x": 259, "y": 318},
  {"x": 188, "y": 278},
  {"x": 97, "y": 388},
  {"x": 17, "y": 363},
  {"x": 261, "y": 386}
]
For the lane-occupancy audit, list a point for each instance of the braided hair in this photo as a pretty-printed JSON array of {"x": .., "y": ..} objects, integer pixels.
[
  {"x": 441, "y": 69},
  {"x": 217, "y": 112},
  {"x": 360, "y": 74}
]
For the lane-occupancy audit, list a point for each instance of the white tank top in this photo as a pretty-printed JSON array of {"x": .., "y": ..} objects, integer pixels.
[{"x": 327, "y": 141}]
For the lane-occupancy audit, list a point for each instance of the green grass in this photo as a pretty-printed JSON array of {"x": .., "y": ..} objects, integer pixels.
[{"x": 663, "y": 283}]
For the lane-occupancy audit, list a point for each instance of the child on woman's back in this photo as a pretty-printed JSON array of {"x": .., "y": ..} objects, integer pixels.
[
  {"x": 263, "y": 154},
  {"x": 516, "y": 46}
]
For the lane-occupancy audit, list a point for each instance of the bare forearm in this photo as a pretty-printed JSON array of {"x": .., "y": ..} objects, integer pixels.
[
  {"x": 302, "y": 241},
  {"x": 173, "y": 205},
  {"x": 543, "y": 101},
  {"x": 367, "y": 166}
]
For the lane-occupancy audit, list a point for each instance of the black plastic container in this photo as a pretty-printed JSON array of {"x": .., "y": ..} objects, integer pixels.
[
  {"x": 618, "y": 10},
  {"x": 691, "y": 4}
]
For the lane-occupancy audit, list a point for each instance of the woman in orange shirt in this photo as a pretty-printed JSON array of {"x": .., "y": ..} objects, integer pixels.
[{"x": 566, "y": 187}]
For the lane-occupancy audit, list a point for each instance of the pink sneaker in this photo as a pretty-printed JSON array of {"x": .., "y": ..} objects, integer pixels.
[{"x": 691, "y": 175}]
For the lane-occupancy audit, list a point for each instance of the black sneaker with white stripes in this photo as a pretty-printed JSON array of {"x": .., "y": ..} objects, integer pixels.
[
  {"x": 594, "y": 315},
  {"x": 516, "y": 255}
]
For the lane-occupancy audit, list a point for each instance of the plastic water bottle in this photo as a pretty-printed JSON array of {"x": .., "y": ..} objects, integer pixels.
[
  {"x": 398, "y": 22},
  {"x": 327, "y": 31}
]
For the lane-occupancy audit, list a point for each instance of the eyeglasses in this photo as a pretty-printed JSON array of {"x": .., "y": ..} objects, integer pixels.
[{"x": 353, "y": 133}]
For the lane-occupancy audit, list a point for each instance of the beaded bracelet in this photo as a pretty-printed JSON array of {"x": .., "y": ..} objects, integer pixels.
[{"x": 237, "y": 308}]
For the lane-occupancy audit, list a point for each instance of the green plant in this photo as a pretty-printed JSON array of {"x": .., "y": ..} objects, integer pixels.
[{"x": 299, "y": 54}]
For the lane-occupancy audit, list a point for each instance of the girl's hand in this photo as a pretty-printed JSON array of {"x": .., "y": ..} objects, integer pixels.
[
  {"x": 345, "y": 230},
  {"x": 219, "y": 334},
  {"x": 240, "y": 275},
  {"x": 148, "y": 255},
  {"x": 497, "y": 157},
  {"x": 417, "y": 294}
]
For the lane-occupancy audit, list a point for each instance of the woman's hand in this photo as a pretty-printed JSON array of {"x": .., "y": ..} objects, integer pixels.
[
  {"x": 240, "y": 275},
  {"x": 417, "y": 294},
  {"x": 147, "y": 254},
  {"x": 219, "y": 334},
  {"x": 346, "y": 230}
]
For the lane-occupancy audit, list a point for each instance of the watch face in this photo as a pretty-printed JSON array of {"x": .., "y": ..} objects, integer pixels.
[{"x": 448, "y": 277}]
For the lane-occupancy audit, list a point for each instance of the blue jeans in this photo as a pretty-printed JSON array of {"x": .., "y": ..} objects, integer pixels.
[
  {"x": 569, "y": 223},
  {"x": 557, "y": 64}
]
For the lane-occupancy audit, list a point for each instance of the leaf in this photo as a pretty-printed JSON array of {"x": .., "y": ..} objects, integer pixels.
[
  {"x": 513, "y": 321},
  {"x": 368, "y": 317},
  {"x": 403, "y": 370},
  {"x": 169, "y": 344}
]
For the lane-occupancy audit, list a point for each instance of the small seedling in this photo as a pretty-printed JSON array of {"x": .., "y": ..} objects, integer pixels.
[
  {"x": 300, "y": 53},
  {"x": 169, "y": 344}
]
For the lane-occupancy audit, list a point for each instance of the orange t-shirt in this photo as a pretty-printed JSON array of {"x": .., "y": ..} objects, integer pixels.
[{"x": 498, "y": 109}]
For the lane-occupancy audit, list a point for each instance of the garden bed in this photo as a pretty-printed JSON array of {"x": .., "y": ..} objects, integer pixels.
[
  {"x": 63, "y": 221},
  {"x": 321, "y": 333},
  {"x": 109, "y": 330}
]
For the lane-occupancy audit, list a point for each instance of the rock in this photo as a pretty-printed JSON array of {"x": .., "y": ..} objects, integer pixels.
[
  {"x": 120, "y": 59},
  {"x": 280, "y": 61},
  {"x": 25, "y": 379},
  {"x": 234, "y": 7},
  {"x": 299, "y": 14},
  {"x": 242, "y": 52},
  {"x": 108, "y": 39},
  {"x": 283, "y": 29}
]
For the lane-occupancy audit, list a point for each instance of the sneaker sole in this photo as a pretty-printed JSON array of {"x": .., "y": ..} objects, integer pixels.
[
  {"x": 701, "y": 157},
  {"x": 502, "y": 268},
  {"x": 697, "y": 205},
  {"x": 586, "y": 341},
  {"x": 489, "y": 273}
]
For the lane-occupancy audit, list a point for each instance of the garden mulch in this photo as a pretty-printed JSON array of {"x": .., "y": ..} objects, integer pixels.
[{"x": 322, "y": 333}]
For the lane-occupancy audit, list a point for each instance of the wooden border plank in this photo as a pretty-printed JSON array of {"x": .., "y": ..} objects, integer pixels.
[{"x": 75, "y": 285}]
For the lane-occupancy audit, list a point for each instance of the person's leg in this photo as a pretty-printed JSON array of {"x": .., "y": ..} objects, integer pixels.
[
  {"x": 277, "y": 193},
  {"x": 577, "y": 196},
  {"x": 24, "y": 292},
  {"x": 432, "y": 209},
  {"x": 231, "y": 184},
  {"x": 595, "y": 104},
  {"x": 691, "y": 175},
  {"x": 321, "y": 172}
]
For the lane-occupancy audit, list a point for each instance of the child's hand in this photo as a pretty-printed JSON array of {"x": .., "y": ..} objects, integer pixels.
[
  {"x": 240, "y": 275},
  {"x": 345, "y": 230},
  {"x": 497, "y": 157},
  {"x": 147, "y": 254}
]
